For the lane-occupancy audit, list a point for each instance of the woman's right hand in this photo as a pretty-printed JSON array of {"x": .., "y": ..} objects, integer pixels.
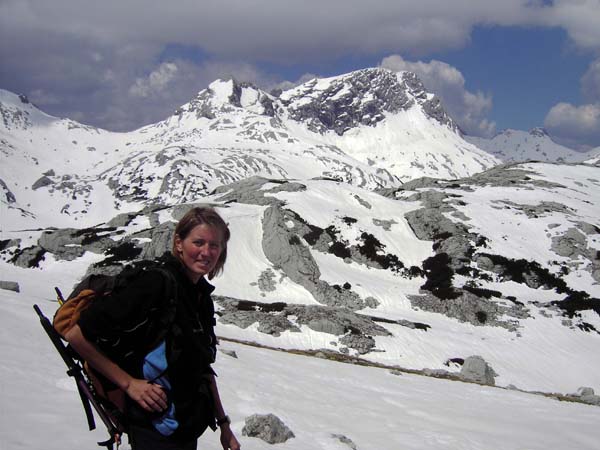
[{"x": 150, "y": 396}]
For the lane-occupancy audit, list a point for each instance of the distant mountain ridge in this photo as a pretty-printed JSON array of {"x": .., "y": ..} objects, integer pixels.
[{"x": 534, "y": 145}]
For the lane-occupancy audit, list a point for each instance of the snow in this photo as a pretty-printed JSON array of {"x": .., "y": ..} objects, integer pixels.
[{"x": 317, "y": 399}]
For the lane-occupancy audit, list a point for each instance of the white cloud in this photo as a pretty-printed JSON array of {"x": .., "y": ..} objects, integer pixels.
[
  {"x": 156, "y": 82},
  {"x": 467, "y": 108},
  {"x": 576, "y": 124},
  {"x": 590, "y": 82}
]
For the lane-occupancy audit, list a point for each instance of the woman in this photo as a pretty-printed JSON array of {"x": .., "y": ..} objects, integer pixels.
[{"x": 159, "y": 350}]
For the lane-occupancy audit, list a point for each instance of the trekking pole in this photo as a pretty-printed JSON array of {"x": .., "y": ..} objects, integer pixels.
[{"x": 84, "y": 386}]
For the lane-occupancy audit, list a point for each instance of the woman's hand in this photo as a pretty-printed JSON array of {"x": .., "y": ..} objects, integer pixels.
[
  {"x": 151, "y": 397},
  {"x": 228, "y": 440}
]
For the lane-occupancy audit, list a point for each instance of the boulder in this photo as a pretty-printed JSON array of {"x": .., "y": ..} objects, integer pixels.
[
  {"x": 269, "y": 428},
  {"x": 476, "y": 370},
  {"x": 10, "y": 286}
]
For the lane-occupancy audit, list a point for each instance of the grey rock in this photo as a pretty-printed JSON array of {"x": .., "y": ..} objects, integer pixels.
[
  {"x": 345, "y": 440},
  {"x": 10, "y": 286},
  {"x": 69, "y": 243},
  {"x": 475, "y": 369},
  {"x": 385, "y": 224},
  {"x": 468, "y": 307},
  {"x": 266, "y": 281},
  {"x": 287, "y": 252},
  {"x": 356, "y": 330},
  {"x": 269, "y": 428},
  {"x": 28, "y": 257},
  {"x": 8, "y": 195},
  {"x": 585, "y": 391},
  {"x": 41, "y": 182},
  {"x": 230, "y": 353},
  {"x": 571, "y": 244}
]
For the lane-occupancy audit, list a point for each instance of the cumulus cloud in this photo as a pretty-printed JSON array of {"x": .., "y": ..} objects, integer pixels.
[
  {"x": 156, "y": 82},
  {"x": 577, "y": 125},
  {"x": 468, "y": 109}
]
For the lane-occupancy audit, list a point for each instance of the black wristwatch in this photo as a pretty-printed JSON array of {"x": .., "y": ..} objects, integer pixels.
[{"x": 223, "y": 420}]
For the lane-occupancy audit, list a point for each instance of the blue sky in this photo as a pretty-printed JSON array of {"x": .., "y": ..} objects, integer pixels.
[{"x": 119, "y": 65}]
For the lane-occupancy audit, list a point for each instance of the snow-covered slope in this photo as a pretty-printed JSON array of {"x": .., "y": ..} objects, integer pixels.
[
  {"x": 535, "y": 145},
  {"x": 327, "y": 405},
  {"x": 503, "y": 265}
]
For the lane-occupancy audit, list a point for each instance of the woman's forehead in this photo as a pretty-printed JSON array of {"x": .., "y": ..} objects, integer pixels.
[{"x": 206, "y": 232}]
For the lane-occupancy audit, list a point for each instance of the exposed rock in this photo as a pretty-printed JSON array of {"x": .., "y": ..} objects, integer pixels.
[
  {"x": 468, "y": 307},
  {"x": 8, "y": 195},
  {"x": 344, "y": 440},
  {"x": 28, "y": 257},
  {"x": 230, "y": 353},
  {"x": 586, "y": 395},
  {"x": 266, "y": 281},
  {"x": 356, "y": 330},
  {"x": 10, "y": 286},
  {"x": 571, "y": 244},
  {"x": 68, "y": 243},
  {"x": 286, "y": 251},
  {"x": 269, "y": 428},
  {"x": 475, "y": 369},
  {"x": 41, "y": 182}
]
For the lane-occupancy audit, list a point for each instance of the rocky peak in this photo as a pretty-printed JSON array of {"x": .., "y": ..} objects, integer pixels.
[
  {"x": 538, "y": 132},
  {"x": 362, "y": 97},
  {"x": 225, "y": 96}
]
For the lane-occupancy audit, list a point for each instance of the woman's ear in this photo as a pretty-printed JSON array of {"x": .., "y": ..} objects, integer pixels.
[{"x": 178, "y": 244}]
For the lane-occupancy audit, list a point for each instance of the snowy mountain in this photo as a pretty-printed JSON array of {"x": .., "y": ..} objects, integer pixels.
[
  {"x": 227, "y": 133},
  {"x": 535, "y": 145}
]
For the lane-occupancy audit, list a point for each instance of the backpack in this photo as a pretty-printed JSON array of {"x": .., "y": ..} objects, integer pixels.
[{"x": 106, "y": 398}]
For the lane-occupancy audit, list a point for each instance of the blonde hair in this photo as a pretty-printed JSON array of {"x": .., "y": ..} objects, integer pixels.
[{"x": 203, "y": 216}]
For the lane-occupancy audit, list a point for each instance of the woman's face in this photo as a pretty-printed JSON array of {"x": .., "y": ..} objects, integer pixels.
[{"x": 199, "y": 250}]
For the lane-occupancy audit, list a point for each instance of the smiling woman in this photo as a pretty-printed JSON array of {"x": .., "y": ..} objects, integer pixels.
[{"x": 159, "y": 350}]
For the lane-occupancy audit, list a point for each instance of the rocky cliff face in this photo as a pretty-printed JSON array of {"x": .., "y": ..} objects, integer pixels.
[{"x": 360, "y": 98}]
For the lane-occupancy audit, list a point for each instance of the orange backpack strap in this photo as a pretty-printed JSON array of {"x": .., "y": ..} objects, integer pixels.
[{"x": 68, "y": 314}]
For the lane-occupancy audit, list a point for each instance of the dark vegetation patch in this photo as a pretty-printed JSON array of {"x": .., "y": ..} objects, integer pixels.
[
  {"x": 126, "y": 251},
  {"x": 416, "y": 325},
  {"x": 294, "y": 240},
  {"x": 4, "y": 244},
  {"x": 340, "y": 250},
  {"x": 481, "y": 316},
  {"x": 371, "y": 249},
  {"x": 458, "y": 361},
  {"x": 349, "y": 220},
  {"x": 578, "y": 301},
  {"x": 481, "y": 292},
  {"x": 345, "y": 286},
  {"x": 313, "y": 236},
  {"x": 515, "y": 270},
  {"x": 514, "y": 300},
  {"x": 587, "y": 327},
  {"x": 90, "y": 235},
  {"x": 247, "y": 305},
  {"x": 439, "y": 276}
]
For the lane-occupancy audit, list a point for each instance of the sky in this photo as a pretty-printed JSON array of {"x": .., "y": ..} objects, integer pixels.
[{"x": 119, "y": 65}]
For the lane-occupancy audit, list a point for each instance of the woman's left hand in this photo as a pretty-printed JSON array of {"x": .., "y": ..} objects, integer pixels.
[{"x": 228, "y": 439}]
